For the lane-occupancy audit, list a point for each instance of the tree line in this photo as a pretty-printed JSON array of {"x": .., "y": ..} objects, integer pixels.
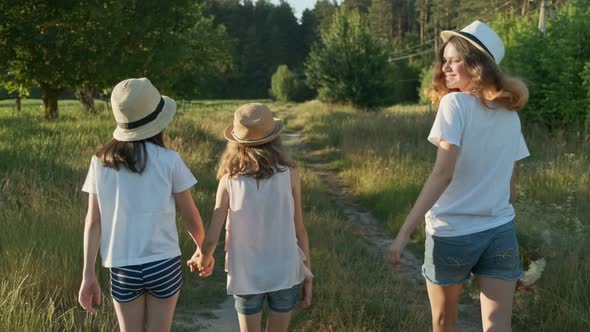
[{"x": 366, "y": 52}]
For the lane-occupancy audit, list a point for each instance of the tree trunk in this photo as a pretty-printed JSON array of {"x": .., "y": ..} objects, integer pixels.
[
  {"x": 18, "y": 103},
  {"x": 50, "y": 102},
  {"x": 86, "y": 97}
]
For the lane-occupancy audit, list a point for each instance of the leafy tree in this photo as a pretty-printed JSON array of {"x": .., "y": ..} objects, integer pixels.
[
  {"x": 551, "y": 64},
  {"x": 348, "y": 65},
  {"x": 90, "y": 45},
  {"x": 289, "y": 86}
]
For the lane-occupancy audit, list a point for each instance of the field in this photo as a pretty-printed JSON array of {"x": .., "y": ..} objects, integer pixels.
[{"x": 383, "y": 157}]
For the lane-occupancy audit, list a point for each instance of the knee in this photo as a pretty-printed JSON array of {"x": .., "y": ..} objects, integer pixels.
[
  {"x": 490, "y": 324},
  {"x": 444, "y": 320}
]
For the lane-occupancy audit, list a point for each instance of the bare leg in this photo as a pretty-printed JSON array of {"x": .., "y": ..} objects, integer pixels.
[
  {"x": 444, "y": 304},
  {"x": 250, "y": 323},
  {"x": 496, "y": 296},
  {"x": 131, "y": 315},
  {"x": 159, "y": 312},
  {"x": 278, "y": 321}
]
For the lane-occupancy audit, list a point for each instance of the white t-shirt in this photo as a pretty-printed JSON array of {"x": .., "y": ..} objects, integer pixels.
[
  {"x": 137, "y": 212},
  {"x": 490, "y": 141}
]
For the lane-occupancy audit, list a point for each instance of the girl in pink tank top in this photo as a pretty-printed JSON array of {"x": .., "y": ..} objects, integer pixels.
[{"x": 267, "y": 249}]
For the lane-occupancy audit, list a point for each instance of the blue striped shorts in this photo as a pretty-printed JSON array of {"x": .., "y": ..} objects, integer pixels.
[{"x": 161, "y": 279}]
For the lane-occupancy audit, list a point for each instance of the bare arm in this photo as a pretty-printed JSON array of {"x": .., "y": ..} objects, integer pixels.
[
  {"x": 302, "y": 238},
  {"x": 89, "y": 293},
  {"x": 191, "y": 218},
  {"x": 513, "y": 186},
  {"x": 217, "y": 220},
  {"x": 435, "y": 185},
  {"x": 300, "y": 230}
]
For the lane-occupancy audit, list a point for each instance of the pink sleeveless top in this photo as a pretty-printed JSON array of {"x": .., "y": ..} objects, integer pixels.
[{"x": 262, "y": 254}]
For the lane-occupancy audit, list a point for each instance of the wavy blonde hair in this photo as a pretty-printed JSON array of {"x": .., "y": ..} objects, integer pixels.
[
  {"x": 487, "y": 81},
  {"x": 259, "y": 162}
]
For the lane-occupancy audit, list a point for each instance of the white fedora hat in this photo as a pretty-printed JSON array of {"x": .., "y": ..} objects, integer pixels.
[
  {"x": 253, "y": 125},
  {"x": 139, "y": 109},
  {"x": 482, "y": 37}
]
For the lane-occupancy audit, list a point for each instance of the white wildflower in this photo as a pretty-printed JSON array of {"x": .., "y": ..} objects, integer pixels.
[{"x": 534, "y": 272}]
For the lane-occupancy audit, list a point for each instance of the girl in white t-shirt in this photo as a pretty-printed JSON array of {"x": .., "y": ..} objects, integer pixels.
[
  {"x": 467, "y": 197},
  {"x": 134, "y": 184},
  {"x": 267, "y": 250}
]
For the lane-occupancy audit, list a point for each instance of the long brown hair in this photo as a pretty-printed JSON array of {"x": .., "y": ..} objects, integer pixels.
[
  {"x": 132, "y": 155},
  {"x": 487, "y": 81},
  {"x": 259, "y": 162}
]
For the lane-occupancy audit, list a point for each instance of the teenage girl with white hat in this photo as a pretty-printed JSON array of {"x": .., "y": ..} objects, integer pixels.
[
  {"x": 134, "y": 184},
  {"x": 467, "y": 197},
  {"x": 266, "y": 244}
]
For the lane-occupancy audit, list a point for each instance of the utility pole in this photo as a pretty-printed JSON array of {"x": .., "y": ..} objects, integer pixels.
[{"x": 542, "y": 17}]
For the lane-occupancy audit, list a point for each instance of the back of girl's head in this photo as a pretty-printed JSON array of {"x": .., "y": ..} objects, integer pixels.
[
  {"x": 259, "y": 161},
  {"x": 487, "y": 80},
  {"x": 141, "y": 114},
  {"x": 131, "y": 155},
  {"x": 254, "y": 147}
]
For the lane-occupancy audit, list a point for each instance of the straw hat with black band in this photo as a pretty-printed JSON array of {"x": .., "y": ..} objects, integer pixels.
[{"x": 139, "y": 109}]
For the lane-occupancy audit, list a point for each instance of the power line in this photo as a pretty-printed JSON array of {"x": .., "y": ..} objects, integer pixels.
[
  {"x": 409, "y": 55},
  {"x": 486, "y": 18}
]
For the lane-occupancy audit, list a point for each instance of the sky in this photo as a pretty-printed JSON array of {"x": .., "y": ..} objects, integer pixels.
[{"x": 300, "y": 5}]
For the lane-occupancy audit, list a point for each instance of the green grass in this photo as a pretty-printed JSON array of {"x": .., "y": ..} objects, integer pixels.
[
  {"x": 384, "y": 158},
  {"x": 42, "y": 167}
]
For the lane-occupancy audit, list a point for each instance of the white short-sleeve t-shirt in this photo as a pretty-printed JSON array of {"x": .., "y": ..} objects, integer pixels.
[
  {"x": 489, "y": 141},
  {"x": 137, "y": 211}
]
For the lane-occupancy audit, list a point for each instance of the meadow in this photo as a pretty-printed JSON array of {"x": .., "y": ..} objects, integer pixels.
[
  {"x": 384, "y": 158},
  {"x": 42, "y": 167}
]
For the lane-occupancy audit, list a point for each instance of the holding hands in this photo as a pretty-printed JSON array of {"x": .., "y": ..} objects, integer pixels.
[{"x": 203, "y": 263}]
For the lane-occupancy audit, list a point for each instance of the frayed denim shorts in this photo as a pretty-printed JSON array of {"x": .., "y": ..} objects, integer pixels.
[
  {"x": 492, "y": 253},
  {"x": 283, "y": 300}
]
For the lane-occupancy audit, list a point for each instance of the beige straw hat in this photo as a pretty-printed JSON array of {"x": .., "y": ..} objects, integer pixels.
[
  {"x": 253, "y": 125},
  {"x": 139, "y": 109},
  {"x": 482, "y": 37}
]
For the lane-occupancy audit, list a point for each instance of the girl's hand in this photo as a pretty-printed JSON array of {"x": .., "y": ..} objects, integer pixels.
[
  {"x": 89, "y": 294},
  {"x": 192, "y": 263},
  {"x": 396, "y": 249},
  {"x": 205, "y": 264},
  {"x": 306, "y": 294}
]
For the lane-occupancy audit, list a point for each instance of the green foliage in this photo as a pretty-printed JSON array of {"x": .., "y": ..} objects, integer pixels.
[
  {"x": 288, "y": 86},
  {"x": 551, "y": 64},
  {"x": 348, "y": 65},
  {"x": 89, "y": 46},
  {"x": 586, "y": 78},
  {"x": 426, "y": 78}
]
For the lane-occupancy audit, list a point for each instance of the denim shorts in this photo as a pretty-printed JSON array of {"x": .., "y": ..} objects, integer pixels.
[
  {"x": 492, "y": 253},
  {"x": 161, "y": 279},
  {"x": 283, "y": 300}
]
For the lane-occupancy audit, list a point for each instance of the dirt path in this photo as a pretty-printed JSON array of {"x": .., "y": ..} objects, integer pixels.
[{"x": 221, "y": 319}]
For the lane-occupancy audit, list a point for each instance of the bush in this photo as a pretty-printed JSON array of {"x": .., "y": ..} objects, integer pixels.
[
  {"x": 551, "y": 64},
  {"x": 348, "y": 64},
  {"x": 288, "y": 86}
]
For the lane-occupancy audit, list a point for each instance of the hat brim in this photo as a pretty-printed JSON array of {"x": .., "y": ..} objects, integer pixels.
[
  {"x": 447, "y": 34},
  {"x": 149, "y": 129},
  {"x": 228, "y": 134}
]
